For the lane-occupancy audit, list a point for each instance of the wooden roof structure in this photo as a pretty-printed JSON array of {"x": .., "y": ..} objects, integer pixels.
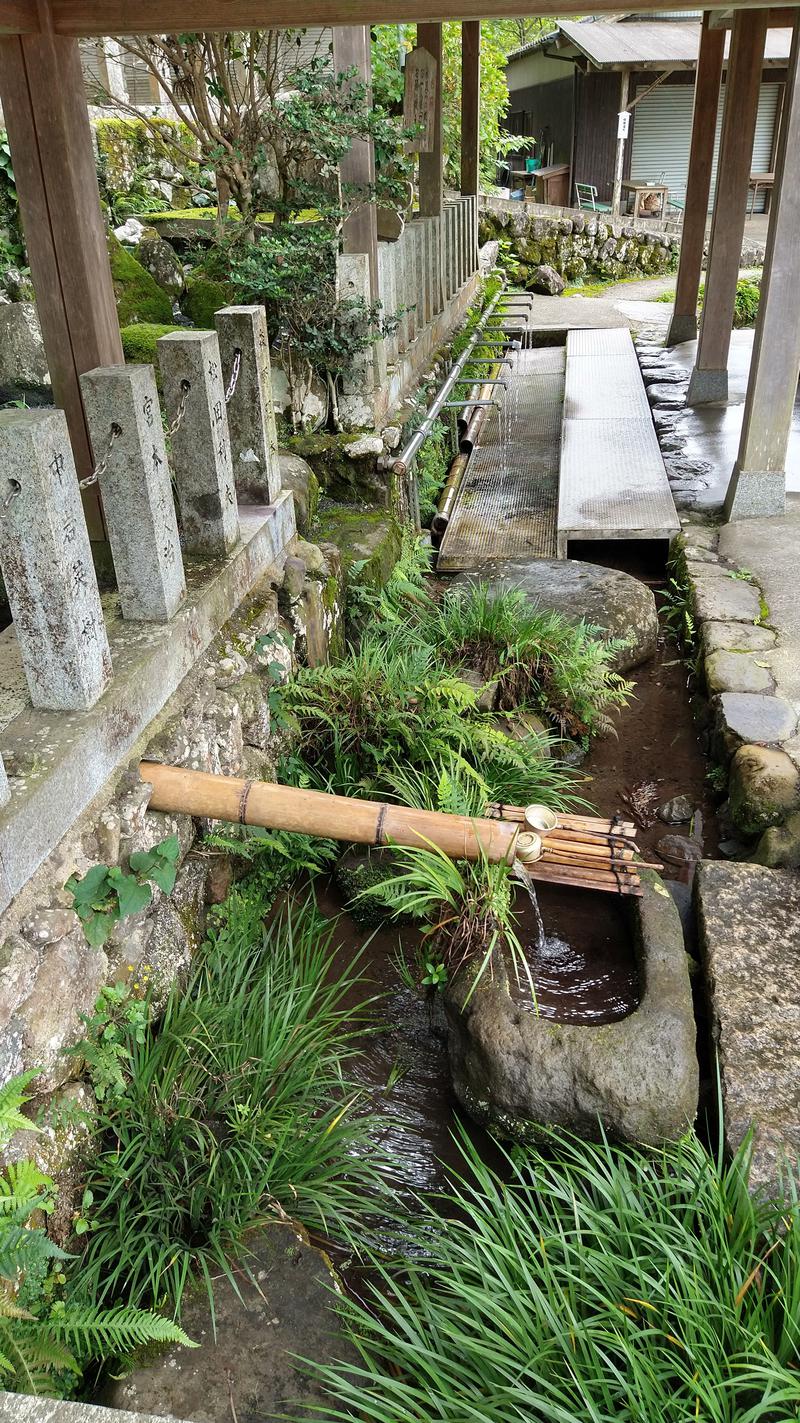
[{"x": 80, "y": 18}]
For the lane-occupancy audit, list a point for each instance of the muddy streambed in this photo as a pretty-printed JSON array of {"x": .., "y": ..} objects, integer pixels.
[{"x": 583, "y": 972}]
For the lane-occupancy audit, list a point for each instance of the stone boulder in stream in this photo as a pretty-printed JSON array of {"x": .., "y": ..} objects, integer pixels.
[
  {"x": 636, "y": 1078},
  {"x": 622, "y": 607}
]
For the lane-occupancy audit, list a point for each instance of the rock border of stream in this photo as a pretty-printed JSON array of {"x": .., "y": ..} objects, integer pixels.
[{"x": 636, "y": 1079}]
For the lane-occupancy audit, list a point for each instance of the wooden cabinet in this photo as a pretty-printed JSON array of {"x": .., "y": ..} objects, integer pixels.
[{"x": 552, "y": 185}]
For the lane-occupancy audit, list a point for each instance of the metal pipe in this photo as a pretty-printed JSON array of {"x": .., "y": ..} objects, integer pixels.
[
  {"x": 476, "y": 404},
  {"x": 362, "y": 822},
  {"x": 405, "y": 460}
]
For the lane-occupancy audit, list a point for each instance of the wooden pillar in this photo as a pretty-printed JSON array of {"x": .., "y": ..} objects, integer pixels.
[
  {"x": 758, "y": 484},
  {"x": 351, "y": 50},
  {"x": 616, "y": 196},
  {"x": 470, "y": 106},
  {"x": 431, "y": 175},
  {"x": 44, "y": 105},
  {"x": 709, "y": 380},
  {"x": 683, "y": 326}
]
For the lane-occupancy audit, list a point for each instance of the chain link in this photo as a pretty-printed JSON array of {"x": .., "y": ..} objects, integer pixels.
[
  {"x": 181, "y": 411},
  {"x": 14, "y": 493},
  {"x": 237, "y": 361},
  {"x": 102, "y": 465}
]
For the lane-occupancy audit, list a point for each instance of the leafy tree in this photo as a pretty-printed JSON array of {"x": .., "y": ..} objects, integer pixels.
[
  {"x": 512, "y": 34},
  {"x": 387, "y": 80},
  {"x": 228, "y": 92}
]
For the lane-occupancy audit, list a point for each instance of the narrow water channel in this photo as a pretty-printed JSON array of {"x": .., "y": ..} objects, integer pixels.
[{"x": 584, "y": 971}]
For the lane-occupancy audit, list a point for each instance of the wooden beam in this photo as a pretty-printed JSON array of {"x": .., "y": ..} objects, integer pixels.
[
  {"x": 619, "y": 164},
  {"x": 18, "y": 17},
  {"x": 709, "y": 379},
  {"x": 127, "y": 17},
  {"x": 758, "y": 484},
  {"x": 431, "y": 176},
  {"x": 470, "y": 105},
  {"x": 683, "y": 326},
  {"x": 779, "y": 17},
  {"x": 352, "y": 50},
  {"x": 44, "y": 105}
]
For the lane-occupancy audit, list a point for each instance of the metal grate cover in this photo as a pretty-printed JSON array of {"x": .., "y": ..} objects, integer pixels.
[{"x": 509, "y": 496}]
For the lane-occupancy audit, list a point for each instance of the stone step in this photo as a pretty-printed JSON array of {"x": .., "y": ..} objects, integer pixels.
[{"x": 749, "y": 934}]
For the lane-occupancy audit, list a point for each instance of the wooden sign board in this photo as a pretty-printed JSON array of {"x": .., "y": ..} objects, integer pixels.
[{"x": 419, "y": 100}]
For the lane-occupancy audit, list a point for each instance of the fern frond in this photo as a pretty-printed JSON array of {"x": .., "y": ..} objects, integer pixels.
[
  {"x": 22, "y": 1248},
  {"x": 93, "y": 1329},
  {"x": 12, "y": 1097}
]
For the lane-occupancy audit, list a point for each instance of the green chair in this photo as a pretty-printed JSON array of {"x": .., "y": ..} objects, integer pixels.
[{"x": 586, "y": 197}]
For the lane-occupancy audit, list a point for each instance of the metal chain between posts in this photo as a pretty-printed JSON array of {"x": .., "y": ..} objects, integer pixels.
[
  {"x": 237, "y": 361},
  {"x": 102, "y": 465},
  {"x": 181, "y": 411},
  {"x": 14, "y": 493}
]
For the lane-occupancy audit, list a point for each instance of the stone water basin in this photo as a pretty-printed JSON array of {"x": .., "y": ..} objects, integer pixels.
[{"x": 630, "y": 1071}]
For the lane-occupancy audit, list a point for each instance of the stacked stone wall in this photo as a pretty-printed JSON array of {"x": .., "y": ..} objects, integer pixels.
[{"x": 578, "y": 247}]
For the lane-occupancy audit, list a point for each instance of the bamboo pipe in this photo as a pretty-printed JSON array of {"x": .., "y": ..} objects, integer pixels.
[
  {"x": 364, "y": 822},
  {"x": 448, "y": 498}
]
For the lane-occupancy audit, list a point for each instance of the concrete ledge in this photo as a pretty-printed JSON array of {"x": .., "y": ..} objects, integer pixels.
[
  {"x": 58, "y": 762},
  {"x": 20, "y": 1408}
]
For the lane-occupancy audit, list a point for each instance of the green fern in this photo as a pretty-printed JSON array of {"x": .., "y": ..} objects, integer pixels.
[{"x": 45, "y": 1345}]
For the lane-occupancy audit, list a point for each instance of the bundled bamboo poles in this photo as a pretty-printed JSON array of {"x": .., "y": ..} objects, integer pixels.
[
  {"x": 578, "y": 850},
  {"x": 582, "y": 850}
]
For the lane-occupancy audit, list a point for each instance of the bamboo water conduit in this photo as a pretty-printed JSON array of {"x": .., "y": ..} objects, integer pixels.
[
  {"x": 361, "y": 822},
  {"x": 583, "y": 851}
]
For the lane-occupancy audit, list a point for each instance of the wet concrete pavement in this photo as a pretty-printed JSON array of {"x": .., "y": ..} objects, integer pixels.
[{"x": 711, "y": 432}]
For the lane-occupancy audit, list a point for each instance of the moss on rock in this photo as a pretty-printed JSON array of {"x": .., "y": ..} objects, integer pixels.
[
  {"x": 203, "y": 297},
  {"x": 369, "y": 541},
  {"x": 341, "y": 477},
  {"x": 139, "y": 343},
  {"x": 139, "y": 298}
]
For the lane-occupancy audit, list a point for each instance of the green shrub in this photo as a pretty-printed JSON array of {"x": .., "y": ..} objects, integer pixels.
[
  {"x": 46, "y": 1342},
  {"x": 202, "y": 298},
  {"x": 138, "y": 296},
  {"x": 232, "y": 1113},
  {"x": 390, "y": 702},
  {"x": 584, "y": 1282}
]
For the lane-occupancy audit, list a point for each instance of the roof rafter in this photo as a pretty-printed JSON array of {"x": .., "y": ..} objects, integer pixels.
[{"x": 79, "y": 18}]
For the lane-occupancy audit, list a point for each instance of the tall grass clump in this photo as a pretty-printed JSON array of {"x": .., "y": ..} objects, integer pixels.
[
  {"x": 585, "y": 1282},
  {"x": 234, "y": 1112},
  {"x": 541, "y": 659}
]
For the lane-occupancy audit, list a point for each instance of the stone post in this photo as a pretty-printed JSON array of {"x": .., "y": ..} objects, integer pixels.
[
  {"x": 418, "y": 249},
  {"x": 242, "y": 335},
  {"x": 386, "y": 289},
  {"x": 135, "y": 484},
  {"x": 47, "y": 564},
  {"x": 5, "y": 792},
  {"x": 415, "y": 314},
  {"x": 438, "y": 278},
  {"x": 357, "y": 402},
  {"x": 398, "y": 265},
  {"x": 191, "y": 371},
  {"x": 428, "y": 260}
]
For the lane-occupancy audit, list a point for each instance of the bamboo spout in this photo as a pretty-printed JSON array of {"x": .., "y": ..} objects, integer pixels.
[{"x": 363, "y": 822}]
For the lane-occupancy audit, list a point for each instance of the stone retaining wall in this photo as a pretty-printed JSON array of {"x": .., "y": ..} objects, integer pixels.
[
  {"x": 750, "y": 721},
  {"x": 577, "y": 246},
  {"x": 218, "y": 720}
]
